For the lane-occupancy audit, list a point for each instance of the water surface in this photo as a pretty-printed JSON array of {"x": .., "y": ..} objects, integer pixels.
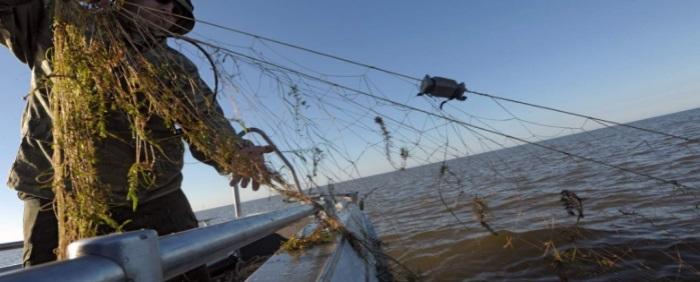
[{"x": 634, "y": 228}]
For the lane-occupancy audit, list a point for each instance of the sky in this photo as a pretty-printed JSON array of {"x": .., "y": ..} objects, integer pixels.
[{"x": 619, "y": 60}]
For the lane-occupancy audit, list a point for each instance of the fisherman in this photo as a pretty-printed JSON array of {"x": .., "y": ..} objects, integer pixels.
[{"x": 25, "y": 28}]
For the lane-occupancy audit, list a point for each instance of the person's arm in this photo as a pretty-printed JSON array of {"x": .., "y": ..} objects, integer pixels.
[
  {"x": 21, "y": 22},
  {"x": 10, "y": 3},
  {"x": 204, "y": 102}
]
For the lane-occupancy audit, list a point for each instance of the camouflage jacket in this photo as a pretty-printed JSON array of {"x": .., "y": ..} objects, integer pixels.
[{"x": 25, "y": 28}]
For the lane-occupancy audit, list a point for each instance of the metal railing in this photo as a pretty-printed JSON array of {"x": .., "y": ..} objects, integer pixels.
[
  {"x": 143, "y": 256},
  {"x": 9, "y": 268}
]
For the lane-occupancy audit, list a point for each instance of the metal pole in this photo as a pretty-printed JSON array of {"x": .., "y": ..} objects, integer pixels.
[
  {"x": 87, "y": 269},
  {"x": 137, "y": 252},
  {"x": 236, "y": 202},
  {"x": 142, "y": 256},
  {"x": 187, "y": 250},
  {"x": 10, "y": 268}
]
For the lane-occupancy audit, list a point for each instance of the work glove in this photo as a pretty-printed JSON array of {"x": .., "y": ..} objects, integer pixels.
[{"x": 256, "y": 172}]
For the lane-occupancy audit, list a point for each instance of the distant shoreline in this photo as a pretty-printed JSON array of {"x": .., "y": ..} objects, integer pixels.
[{"x": 10, "y": 245}]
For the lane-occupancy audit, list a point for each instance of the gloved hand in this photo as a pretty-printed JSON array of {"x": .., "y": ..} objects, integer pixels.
[{"x": 256, "y": 172}]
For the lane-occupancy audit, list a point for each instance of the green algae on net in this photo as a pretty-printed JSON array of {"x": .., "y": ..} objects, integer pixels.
[{"x": 97, "y": 70}]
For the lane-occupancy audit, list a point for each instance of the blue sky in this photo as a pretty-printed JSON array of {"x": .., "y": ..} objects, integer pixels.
[{"x": 620, "y": 60}]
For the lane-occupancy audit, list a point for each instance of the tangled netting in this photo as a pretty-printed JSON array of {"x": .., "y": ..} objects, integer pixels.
[
  {"x": 98, "y": 69},
  {"x": 546, "y": 184}
]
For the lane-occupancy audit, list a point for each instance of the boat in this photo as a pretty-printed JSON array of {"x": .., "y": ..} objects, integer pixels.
[{"x": 144, "y": 256}]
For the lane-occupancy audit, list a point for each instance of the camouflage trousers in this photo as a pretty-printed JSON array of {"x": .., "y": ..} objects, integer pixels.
[{"x": 168, "y": 214}]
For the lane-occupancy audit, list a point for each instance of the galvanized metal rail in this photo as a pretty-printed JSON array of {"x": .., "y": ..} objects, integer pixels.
[
  {"x": 9, "y": 268},
  {"x": 142, "y": 256}
]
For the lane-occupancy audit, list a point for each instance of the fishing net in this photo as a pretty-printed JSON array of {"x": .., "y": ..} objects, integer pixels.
[
  {"x": 504, "y": 188},
  {"x": 100, "y": 70},
  {"x": 470, "y": 193}
]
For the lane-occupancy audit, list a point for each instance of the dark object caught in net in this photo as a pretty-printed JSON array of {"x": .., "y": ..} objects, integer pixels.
[{"x": 573, "y": 204}]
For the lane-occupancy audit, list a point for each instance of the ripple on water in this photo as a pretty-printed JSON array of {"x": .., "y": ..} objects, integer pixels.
[{"x": 634, "y": 228}]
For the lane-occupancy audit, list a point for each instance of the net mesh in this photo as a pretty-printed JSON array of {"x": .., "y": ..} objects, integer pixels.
[{"x": 515, "y": 190}]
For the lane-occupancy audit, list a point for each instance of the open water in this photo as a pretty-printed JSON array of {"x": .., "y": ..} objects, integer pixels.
[{"x": 633, "y": 229}]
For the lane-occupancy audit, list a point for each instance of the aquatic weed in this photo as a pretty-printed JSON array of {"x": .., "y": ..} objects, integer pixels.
[
  {"x": 387, "y": 138},
  {"x": 96, "y": 71}
]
